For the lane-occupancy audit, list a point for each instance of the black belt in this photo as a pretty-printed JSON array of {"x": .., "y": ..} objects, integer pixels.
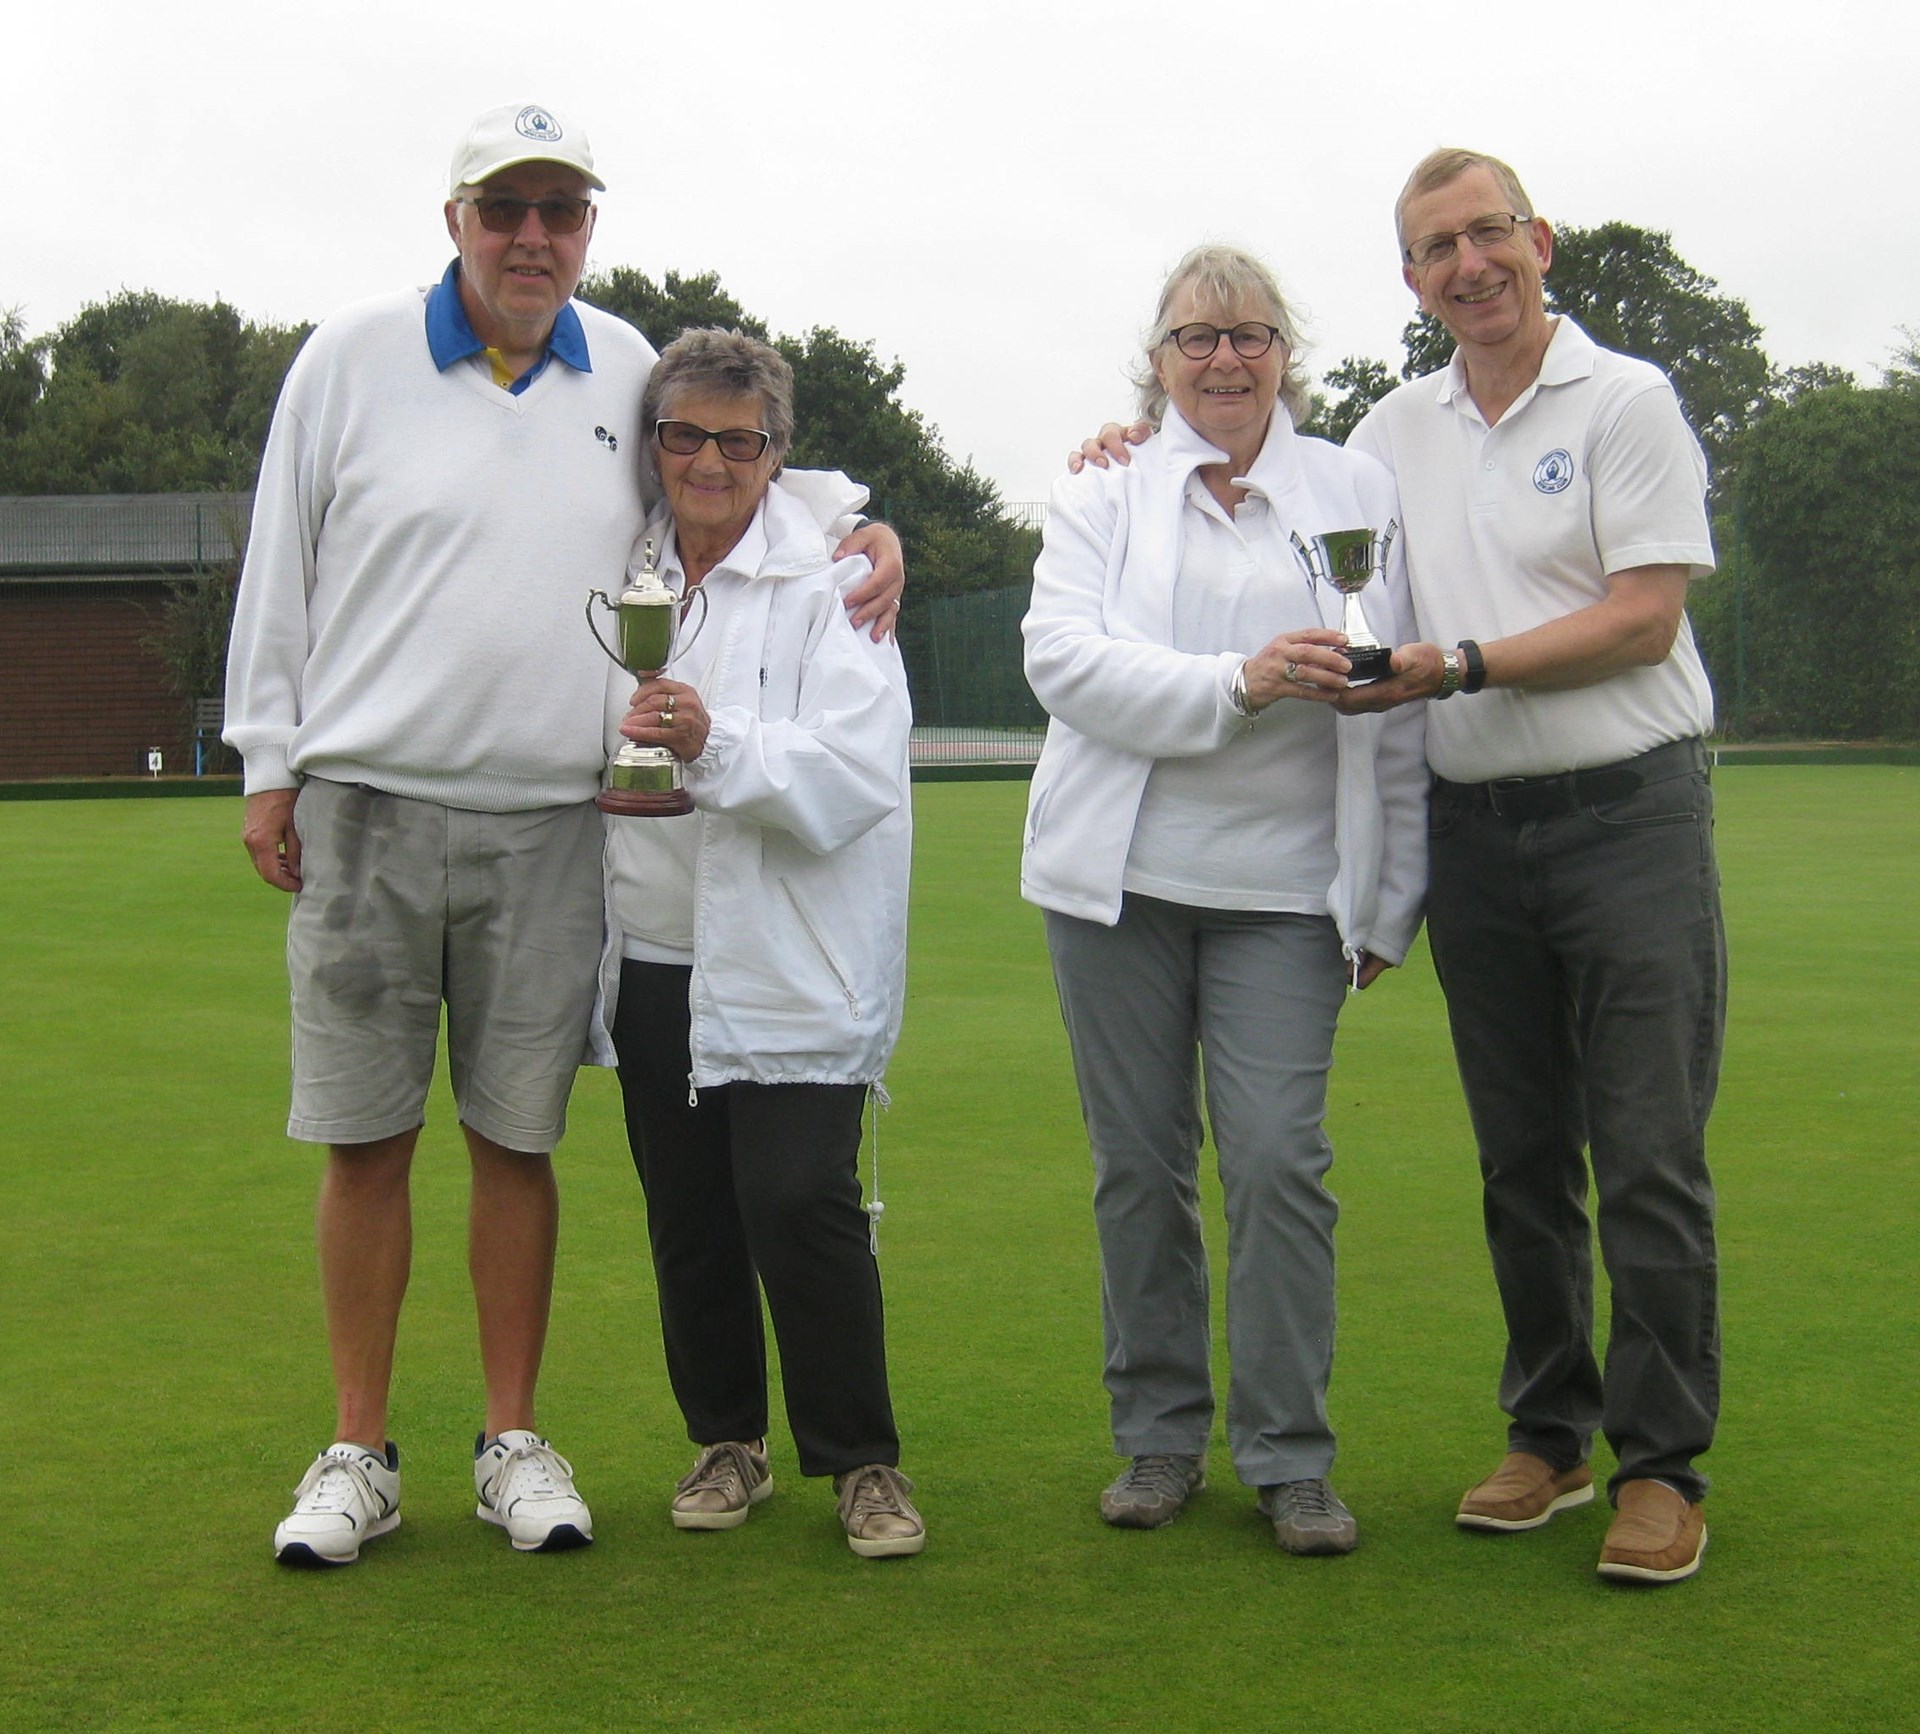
[{"x": 1569, "y": 792}]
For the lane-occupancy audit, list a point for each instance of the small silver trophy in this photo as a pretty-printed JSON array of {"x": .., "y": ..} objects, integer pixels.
[
  {"x": 645, "y": 782},
  {"x": 1349, "y": 560}
]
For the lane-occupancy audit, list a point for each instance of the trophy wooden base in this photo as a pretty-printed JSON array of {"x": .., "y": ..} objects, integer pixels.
[
  {"x": 1370, "y": 663},
  {"x": 644, "y": 803}
]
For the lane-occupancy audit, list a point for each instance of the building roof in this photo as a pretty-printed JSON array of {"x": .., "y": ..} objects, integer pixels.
[{"x": 118, "y": 535}]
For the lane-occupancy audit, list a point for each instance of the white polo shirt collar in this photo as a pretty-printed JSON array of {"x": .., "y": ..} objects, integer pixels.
[{"x": 1570, "y": 356}]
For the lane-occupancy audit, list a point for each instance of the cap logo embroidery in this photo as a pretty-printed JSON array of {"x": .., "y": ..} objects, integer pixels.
[
  {"x": 535, "y": 123},
  {"x": 1554, "y": 473}
]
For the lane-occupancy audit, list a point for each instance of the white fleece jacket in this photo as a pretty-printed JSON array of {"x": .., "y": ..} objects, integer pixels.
[{"x": 1098, "y": 657}]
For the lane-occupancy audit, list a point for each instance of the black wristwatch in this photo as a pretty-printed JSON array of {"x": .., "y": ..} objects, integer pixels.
[{"x": 1475, "y": 675}]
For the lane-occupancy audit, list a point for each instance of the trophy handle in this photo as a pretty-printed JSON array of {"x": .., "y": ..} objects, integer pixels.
[
  {"x": 606, "y": 602},
  {"x": 683, "y": 641},
  {"x": 1305, "y": 555}
]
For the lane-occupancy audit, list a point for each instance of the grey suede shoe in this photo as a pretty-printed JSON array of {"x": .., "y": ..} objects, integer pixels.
[
  {"x": 1309, "y": 1518},
  {"x": 1152, "y": 1490}
]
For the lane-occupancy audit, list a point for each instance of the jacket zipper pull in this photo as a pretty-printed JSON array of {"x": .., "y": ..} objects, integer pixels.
[{"x": 877, "y": 1098}]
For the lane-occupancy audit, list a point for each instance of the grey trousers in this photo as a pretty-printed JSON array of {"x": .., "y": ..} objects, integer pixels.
[
  {"x": 1256, "y": 995},
  {"x": 1584, "y": 964}
]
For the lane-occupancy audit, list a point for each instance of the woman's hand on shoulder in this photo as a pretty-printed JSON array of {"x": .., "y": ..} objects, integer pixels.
[{"x": 1306, "y": 664}]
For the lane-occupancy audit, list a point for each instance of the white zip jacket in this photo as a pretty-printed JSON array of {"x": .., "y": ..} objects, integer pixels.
[
  {"x": 805, "y": 825},
  {"x": 1098, "y": 657}
]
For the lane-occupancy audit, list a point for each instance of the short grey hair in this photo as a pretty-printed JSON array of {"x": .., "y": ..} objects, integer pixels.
[
  {"x": 1441, "y": 168},
  {"x": 726, "y": 364},
  {"x": 1223, "y": 279}
]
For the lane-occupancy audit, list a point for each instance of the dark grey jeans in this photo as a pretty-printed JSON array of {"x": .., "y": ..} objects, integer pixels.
[{"x": 1584, "y": 963}]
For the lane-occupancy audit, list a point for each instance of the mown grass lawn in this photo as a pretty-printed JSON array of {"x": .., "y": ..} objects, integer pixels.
[{"x": 163, "y": 1368}]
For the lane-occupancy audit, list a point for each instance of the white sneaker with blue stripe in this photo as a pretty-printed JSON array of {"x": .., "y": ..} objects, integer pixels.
[
  {"x": 349, "y": 1496},
  {"x": 526, "y": 1487}
]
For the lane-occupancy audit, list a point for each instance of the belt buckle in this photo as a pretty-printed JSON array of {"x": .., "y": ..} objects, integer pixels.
[
  {"x": 1524, "y": 798},
  {"x": 1499, "y": 789}
]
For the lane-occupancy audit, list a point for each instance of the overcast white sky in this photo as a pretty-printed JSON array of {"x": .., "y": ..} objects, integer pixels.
[{"x": 989, "y": 192}]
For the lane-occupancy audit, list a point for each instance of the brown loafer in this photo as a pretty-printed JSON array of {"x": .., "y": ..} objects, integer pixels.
[
  {"x": 1523, "y": 1493},
  {"x": 1656, "y": 1536}
]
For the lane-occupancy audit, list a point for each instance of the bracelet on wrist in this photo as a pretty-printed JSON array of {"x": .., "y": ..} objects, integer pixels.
[
  {"x": 1237, "y": 693},
  {"x": 1474, "y": 675},
  {"x": 1450, "y": 674}
]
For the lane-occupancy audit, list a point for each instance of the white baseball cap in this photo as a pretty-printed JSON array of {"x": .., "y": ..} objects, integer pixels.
[{"x": 519, "y": 133}]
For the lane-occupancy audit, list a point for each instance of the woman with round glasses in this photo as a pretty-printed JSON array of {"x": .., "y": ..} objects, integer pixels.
[
  {"x": 1220, "y": 855},
  {"x": 763, "y": 941}
]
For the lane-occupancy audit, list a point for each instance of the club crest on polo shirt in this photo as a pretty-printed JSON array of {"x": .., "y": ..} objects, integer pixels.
[
  {"x": 1553, "y": 473},
  {"x": 535, "y": 123}
]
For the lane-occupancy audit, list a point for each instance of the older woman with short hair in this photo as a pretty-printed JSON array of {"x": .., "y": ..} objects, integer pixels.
[
  {"x": 1219, "y": 854},
  {"x": 763, "y": 958}
]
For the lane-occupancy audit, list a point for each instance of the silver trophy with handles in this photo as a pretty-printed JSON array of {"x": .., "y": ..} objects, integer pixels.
[
  {"x": 650, "y": 630},
  {"x": 1350, "y": 560}
]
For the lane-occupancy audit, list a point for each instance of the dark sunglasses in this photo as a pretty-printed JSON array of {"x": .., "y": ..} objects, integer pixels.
[
  {"x": 684, "y": 438},
  {"x": 501, "y": 214}
]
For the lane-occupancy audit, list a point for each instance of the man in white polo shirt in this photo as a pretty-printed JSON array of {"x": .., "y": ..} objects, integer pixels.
[
  {"x": 421, "y": 712},
  {"x": 1553, "y": 500}
]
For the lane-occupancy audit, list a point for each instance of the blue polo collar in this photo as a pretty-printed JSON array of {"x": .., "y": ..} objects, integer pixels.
[{"x": 451, "y": 337}]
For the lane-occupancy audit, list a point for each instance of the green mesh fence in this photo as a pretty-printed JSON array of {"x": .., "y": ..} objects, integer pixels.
[{"x": 971, "y": 703}]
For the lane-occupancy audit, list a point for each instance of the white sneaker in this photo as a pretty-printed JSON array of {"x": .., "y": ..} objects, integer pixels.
[
  {"x": 350, "y": 1495},
  {"x": 526, "y": 1487}
]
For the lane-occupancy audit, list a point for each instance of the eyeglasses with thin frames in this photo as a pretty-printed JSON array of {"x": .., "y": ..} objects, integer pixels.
[
  {"x": 502, "y": 214},
  {"x": 1198, "y": 341},
  {"x": 1483, "y": 232},
  {"x": 740, "y": 445}
]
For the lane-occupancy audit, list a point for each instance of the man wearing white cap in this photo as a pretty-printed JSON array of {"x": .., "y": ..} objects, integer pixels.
[{"x": 421, "y": 713}]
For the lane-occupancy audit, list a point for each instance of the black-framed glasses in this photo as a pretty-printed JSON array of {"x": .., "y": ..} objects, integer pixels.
[
  {"x": 1198, "y": 341},
  {"x": 502, "y": 214},
  {"x": 1483, "y": 232},
  {"x": 742, "y": 445}
]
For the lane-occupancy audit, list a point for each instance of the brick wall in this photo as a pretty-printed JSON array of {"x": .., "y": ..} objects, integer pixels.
[{"x": 79, "y": 696}]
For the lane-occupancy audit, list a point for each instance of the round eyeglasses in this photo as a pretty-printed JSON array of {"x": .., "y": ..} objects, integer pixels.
[{"x": 1249, "y": 338}]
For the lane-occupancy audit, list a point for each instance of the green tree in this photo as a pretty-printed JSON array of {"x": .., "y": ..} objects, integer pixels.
[
  {"x": 1632, "y": 292},
  {"x": 1428, "y": 346},
  {"x": 1361, "y": 382},
  {"x": 23, "y": 373},
  {"x": 1828, "y": 500},
  {"x": 848, "y": 416},
  {"x": 144, "y": 394},
  {"x": 1903, "y": 370},
  {"x": 1790, "y": 384},
  {"x": 661, "y": 311}
]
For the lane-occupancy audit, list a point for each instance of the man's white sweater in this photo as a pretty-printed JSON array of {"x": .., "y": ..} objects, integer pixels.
[{"x": 411, "y": 611}]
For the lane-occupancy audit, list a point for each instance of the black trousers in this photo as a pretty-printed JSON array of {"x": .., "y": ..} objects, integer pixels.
[{"x": 755, "y": 1185}]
